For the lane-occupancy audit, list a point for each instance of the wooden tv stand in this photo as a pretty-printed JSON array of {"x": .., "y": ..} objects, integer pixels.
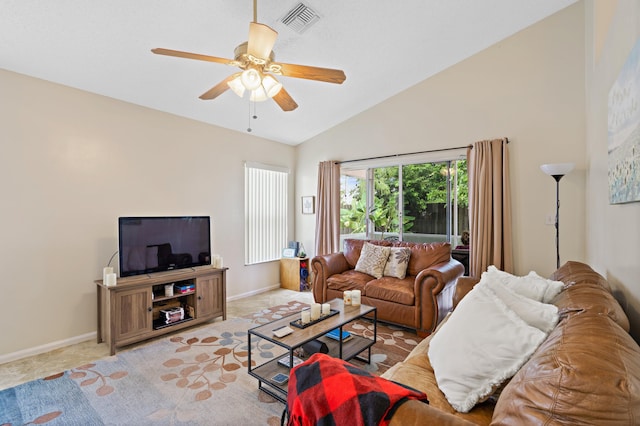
[{"x": 129, "y": 312}]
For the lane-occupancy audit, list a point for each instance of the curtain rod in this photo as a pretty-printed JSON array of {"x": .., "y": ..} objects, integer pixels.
[
  {"x": 409, "y": 153},
  {"x": 402, "y": 155}
]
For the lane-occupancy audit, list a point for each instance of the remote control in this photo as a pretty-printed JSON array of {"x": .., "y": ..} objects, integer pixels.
[{"x": 282, "y": 331}]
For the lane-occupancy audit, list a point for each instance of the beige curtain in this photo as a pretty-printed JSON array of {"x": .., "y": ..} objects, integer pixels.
[
  {"x": 489, "y": 206},
  {"x": 328, "y": 208}
]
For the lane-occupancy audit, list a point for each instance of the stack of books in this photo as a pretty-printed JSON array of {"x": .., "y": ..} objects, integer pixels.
[{"x": 335, "y": 335}]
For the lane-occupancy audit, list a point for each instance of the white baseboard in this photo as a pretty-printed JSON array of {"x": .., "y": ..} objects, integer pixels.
[
  {"x": 253, "y": 292},
  {"x": 93, "y": 335},
  {"x": 37, "y": 350}
]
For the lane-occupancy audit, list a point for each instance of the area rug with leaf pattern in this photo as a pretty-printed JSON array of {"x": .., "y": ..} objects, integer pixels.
[{"x": 195, "y": 377}]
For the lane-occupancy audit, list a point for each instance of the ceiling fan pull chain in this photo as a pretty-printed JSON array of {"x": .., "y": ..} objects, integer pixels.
[{"x": 249, "y": 128}]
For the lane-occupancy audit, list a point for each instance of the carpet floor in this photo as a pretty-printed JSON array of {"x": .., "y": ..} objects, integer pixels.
[{"x": 197, "y": 376}]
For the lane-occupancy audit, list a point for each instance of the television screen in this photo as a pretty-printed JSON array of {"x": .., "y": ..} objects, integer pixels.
[{"x": 154, "y": 244}]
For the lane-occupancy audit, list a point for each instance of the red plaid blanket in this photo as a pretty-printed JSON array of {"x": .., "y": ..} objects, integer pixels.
[{"x": 329, "y": 391}]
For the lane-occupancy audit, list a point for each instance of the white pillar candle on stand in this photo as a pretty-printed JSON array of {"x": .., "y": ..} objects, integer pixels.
[
  {"x": 315, "y": 311},
  {"x": 305, "y": 316},
  {"x": 326, "y": 309},
  {"x": 355, "y": 297},
  {"x": 110, "y": 280}
]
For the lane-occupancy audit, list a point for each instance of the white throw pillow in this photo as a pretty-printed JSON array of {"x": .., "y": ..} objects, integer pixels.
[
  {"x": 537, "y": 314},
  {"x": 482, "y": 344},
  {"x": 532, "y": 286},
  {"x": 397, "y": 262},
  {"x": 372, "y": 259}
]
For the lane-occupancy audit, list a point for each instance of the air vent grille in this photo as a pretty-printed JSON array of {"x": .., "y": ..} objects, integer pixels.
[{"x": 300, "y": 18}]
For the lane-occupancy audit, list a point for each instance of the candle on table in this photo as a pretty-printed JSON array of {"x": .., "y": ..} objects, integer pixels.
[
  {"x": 355, "y": 297},
  {"x": 315, "y": 311},
  {"x": 305, "y": 316},
  {"x": 326, "y": 309},
  {"x": 347, "y": 297}
]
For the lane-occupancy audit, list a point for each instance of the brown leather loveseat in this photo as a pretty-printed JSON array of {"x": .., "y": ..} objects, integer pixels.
[
  {"x": 410, "y": 301},
  {"x": 586, "y": 371}
]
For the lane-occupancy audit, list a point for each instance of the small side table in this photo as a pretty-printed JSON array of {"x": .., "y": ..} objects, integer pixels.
[{"x": 294, "y": 273}]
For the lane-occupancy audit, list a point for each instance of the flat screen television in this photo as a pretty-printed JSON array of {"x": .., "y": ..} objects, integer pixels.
[{"x": 156, "y": 244}]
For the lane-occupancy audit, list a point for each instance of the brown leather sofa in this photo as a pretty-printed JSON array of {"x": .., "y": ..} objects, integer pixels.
[
  {"x": 411, "y": 302},
  {"x": 587, "y": 371}
]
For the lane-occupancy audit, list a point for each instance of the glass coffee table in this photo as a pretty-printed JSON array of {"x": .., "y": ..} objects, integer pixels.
[{"x": 344, "y": 349}]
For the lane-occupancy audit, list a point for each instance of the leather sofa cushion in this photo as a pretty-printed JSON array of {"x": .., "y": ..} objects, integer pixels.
[
  {"x": 589, "y": 295},
  {"x": 349, "y": 280},
  {"x": 423, "y": 255},
  {"x": 392, "y": 289},
  {"x": 586, "y": 372}
]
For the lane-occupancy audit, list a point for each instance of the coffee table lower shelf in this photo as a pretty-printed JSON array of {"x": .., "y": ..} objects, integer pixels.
[{"x": 346, "y": 350}]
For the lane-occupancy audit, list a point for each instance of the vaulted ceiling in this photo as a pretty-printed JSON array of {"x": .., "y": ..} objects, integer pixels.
[{"x": 383, "y": 46}]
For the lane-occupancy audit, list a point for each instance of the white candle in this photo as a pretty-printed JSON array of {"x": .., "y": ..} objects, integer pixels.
[
  {"x": 315, "y": 311},
  {"x": 355, "y": 297},
  {"x": 305, "y": 316},
  {"x": 106, "y": 271},
  {"x": 346, "y": 297},
  {"x": 110, "y": 280},
  {"x": 326, "y": 309}
]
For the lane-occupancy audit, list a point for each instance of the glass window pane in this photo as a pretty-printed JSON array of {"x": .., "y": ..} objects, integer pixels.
[
  {"x": 383, "y": 213},
  {"x": 353, "y": 204},
  {"x": 425, "y": 202}
]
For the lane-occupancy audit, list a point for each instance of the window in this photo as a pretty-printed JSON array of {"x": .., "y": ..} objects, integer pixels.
[
  {"x": 265, "y": 212},
  {"x": 417, "y": 201}
]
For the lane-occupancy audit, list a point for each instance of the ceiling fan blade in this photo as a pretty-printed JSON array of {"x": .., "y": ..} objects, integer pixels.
[
  {"x": 327, "y": 75},
  {"x": 217, "y": 90},
  {"x": 261, "y": 40},
  {"x": 188, "y": 55},
  {"x": 285, "y": 101}
]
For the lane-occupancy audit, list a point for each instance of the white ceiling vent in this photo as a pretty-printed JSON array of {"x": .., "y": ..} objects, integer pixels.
[{"x": 300, "y": 18}]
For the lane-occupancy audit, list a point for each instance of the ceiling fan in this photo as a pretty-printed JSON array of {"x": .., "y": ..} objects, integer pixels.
[{"x": 256, "y": 59}]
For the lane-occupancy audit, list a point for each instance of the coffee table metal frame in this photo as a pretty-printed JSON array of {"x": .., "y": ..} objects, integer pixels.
[{"x": 346, "y": 350}]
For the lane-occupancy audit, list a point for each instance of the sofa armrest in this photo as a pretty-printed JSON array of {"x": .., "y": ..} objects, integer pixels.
[
  {"x": 427, "y": 285},
  {"x": 417, "y": 413},
  {"x": 323, "y": 267},
  {"x": 463, "y": 286}
]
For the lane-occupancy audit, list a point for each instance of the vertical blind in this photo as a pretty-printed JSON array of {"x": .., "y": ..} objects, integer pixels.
[{"x": 265, "y": 212}]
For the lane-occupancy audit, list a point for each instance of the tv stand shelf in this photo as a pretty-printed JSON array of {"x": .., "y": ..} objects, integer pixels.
[{"x": 129, "y": 312}]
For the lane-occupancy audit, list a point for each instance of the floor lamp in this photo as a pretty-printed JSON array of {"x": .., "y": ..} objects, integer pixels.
[{"x": 556, "y": 171}]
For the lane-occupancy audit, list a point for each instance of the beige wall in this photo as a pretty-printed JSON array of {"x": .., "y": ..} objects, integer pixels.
[
  {"x": 613, "y": 231},
  {"x": 73, "y": 160},
  {"x": 529, "y": 88},
  {"x": 71, "y": 163}
]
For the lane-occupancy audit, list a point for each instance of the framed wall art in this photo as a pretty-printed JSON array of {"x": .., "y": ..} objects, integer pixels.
[
  {"x": 623, "y": 133},
  {"x": 308, "y": 204}
]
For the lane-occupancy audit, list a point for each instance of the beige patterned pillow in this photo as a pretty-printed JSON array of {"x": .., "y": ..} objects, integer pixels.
[
  {"x": 373, "y": 259},
  {"x": 397, "y": 262}
]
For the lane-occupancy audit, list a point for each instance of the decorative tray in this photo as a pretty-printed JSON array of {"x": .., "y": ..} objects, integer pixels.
[{"x": 298, "y": 323}]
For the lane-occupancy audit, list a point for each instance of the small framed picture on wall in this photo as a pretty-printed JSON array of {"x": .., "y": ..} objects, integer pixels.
[{"x": 308, "y": 204}]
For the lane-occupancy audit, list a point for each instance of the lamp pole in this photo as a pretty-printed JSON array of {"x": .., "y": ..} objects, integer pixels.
[
  {"x": 557, "y": 178},
  {"x": 557, "y": 171}
]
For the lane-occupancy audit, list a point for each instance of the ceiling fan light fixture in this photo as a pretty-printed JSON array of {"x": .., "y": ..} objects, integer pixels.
[
  {"x": 251, "y": 78},
  {"x": 258, "y": 95},
  {"x": 236, "y": 85},
  {"x": 271, "y": 85}
]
